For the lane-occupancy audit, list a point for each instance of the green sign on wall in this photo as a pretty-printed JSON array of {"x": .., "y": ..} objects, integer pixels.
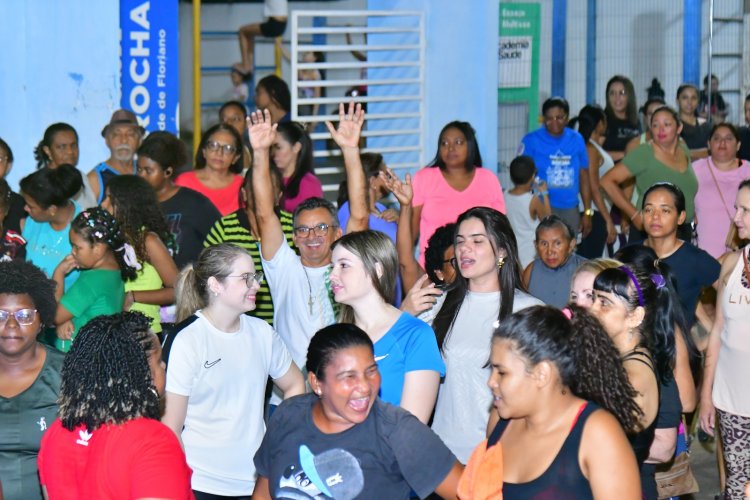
[{"x": 518, "y": 51}]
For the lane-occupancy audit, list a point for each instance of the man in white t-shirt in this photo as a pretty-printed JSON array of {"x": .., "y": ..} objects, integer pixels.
[{"x": 300, "y": 288}]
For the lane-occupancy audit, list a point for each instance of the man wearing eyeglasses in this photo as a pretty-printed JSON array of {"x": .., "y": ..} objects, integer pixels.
[
  {"x": 300, "y": 285},
  {"x": 122, "y": 135}
]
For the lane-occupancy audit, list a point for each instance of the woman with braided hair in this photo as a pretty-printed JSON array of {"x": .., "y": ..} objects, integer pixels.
[
  {"x": 561, "y": 400},
  {"x": 105, "y": 260},
  {"x": 108, "y": 441}
]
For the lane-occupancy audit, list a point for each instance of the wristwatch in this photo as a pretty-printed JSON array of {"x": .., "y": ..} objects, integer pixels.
[{"x": 589, "y": 212}]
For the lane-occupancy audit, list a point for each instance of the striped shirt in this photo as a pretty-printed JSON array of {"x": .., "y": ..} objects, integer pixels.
[{"x": 235, "y": 228}]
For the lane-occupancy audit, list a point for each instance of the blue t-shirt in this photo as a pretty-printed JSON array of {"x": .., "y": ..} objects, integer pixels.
[
  {"x": 409, "y": 345},
  {"x": 558, "y": 161},
  {"x": 376, "y": 224}
]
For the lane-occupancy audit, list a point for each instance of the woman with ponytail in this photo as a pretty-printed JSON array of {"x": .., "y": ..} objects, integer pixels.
[
  {"x": 561, "y": 399},
  {"x": 218, "y": 362}
]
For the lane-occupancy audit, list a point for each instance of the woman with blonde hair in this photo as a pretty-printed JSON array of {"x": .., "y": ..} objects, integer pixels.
[
  {"x": 582, "y": 282},
  {"x": 214, "y": 355},
  {"x": 363, "y": 280}
]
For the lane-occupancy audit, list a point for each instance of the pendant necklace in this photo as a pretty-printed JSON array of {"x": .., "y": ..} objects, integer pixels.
[{"x": 310, "y": 300}]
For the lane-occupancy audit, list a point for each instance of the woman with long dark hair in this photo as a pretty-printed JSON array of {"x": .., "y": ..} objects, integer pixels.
[
  {"x": 622, "y": 116},
  {"x": 292, "y": 153},
  {"x": 486, "y": 290}
]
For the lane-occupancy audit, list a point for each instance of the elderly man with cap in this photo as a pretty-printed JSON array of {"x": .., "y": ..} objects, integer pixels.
[{"x": 122, "y": 135}]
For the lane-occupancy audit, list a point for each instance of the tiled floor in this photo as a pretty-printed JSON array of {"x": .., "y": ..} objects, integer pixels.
[{"x": 703, "y": 459}]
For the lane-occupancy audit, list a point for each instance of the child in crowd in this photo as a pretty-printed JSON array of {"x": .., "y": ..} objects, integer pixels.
[
  {"x": 105, "y": 260},
  {"x": 133, "y": 203},
  {"x": 548, "y": 276},
  {"x": 524, "y": 207},
  {"x": 12, "y": 244}
]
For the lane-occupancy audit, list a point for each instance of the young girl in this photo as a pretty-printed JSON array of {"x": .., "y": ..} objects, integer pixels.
[
  {"x": 105, "y": 260},
  {"x": 133, "y": 203},
  {"x": 363, "y": 279},
  {"x": 695, "y": 130},
  {"x": 12, "y": 244}
]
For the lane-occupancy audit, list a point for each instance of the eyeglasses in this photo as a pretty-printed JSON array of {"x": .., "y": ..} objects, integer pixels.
[
  {"x": 24, "y": 317},
  {"x": 250, "y": 277},
  {"x": 215, "y": 146},
  {"x": 318, "y": 230}
]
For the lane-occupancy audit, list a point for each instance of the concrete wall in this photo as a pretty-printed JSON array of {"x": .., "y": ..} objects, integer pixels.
[{"x": 60, "y": 62}]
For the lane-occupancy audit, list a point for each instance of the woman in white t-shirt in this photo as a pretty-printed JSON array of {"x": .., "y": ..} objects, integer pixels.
[
  {"x": 218, "y": 361},
  {"x": 487, "y": 289}
]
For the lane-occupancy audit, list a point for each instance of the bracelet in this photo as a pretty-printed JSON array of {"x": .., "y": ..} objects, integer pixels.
[
  {"x": 544, "y": 193},
  {"x": 132, "y": 295},
  {"x": 636, "y": 214},
  {"x": 589, "y": 212}
]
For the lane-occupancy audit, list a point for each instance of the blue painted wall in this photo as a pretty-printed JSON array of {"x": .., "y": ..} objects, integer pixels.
[
  {"x": 461, "y": 68},
  {"x": 60, "y": 62}
]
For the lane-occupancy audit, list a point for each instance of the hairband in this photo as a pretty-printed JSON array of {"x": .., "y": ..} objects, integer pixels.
[
  {"x": 129, "y": 256},
  {"x": 96, "y": 217},
  {"x": 627, "y": 271}
]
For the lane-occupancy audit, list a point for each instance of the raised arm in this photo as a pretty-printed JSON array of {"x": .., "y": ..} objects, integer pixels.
[
  {"x": 347, "y": 138},
  {"x": 262, "y": 134},
  {"x": 410, "y": 268}
]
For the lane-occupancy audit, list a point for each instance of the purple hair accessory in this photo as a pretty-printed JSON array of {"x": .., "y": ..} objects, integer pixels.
[
  {"x": 638, "y": 290},
  {"x": 659, "y": 281}
]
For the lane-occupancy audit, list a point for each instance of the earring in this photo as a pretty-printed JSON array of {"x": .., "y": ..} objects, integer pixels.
[
  {"x": 500, "y": 262},
  {"x": 215, "y": 294}
]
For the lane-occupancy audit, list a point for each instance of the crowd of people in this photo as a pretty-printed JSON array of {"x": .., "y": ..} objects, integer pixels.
[{"x": 228, "y": 332}]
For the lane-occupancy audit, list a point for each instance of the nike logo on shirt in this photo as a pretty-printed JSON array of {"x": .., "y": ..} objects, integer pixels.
[
  {"x": 380, "y": 358},
  {"x": 209, "y": 365}
]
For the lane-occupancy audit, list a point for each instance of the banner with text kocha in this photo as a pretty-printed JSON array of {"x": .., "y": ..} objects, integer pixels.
[{"x": 149, "y": 71}]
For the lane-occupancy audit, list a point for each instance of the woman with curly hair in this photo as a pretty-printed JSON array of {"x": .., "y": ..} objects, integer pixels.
[
  {"x": 29, "y": 374},
  {"x": 135, "y": 207},
  {"x": 562, "y": 399},
  {"x": 108, "y": 439}
]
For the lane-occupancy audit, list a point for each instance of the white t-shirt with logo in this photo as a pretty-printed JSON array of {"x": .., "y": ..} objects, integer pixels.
[{"x": 224, "y": 377}]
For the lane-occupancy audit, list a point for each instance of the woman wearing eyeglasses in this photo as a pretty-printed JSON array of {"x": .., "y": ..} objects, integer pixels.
[
  {"x": 454, "y": 183},
  {"x": 292, "y": 153},
  {"x": 29, "y": 374},
  {"x": 218, "y": 164},
  {"x": 218, "y": 361}
]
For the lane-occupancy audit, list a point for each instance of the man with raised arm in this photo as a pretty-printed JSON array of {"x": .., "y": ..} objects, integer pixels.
[{"x": 300, "y": 285}]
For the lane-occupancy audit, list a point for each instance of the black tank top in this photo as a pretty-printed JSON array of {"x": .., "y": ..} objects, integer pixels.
[
  {"x": 563, "y": 479},
  {"x": 641, "y": 441}
]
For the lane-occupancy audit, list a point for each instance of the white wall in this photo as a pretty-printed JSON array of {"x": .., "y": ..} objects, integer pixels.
[{"x": 55, "y": 70}]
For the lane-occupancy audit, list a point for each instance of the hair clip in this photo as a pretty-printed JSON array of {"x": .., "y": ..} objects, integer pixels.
[{"x": 659, "y": 281}]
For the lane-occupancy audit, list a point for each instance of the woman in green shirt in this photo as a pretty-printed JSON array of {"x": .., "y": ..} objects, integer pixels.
[{"x": 664, "y": 159}]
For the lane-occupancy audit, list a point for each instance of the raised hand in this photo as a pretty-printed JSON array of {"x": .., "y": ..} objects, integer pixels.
[
  {"x": 260, "y": 129},
  {"x": 403, "y": 191},
  {"x": 350, "y": 126}
]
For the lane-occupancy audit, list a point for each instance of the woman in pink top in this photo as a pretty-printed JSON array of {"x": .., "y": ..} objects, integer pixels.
[
  {"x": 217, "y": 165},
  {"x": 293, "y": 155},
  {"x": 718, "y": 178},
  {"x": 725, "y": 393},
  {"x": 454, "y": 183}
]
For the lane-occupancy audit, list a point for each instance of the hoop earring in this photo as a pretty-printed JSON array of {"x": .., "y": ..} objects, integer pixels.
[{"x": 500, "y": 262}]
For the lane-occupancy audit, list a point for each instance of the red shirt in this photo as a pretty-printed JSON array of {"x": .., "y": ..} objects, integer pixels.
[
  {"x": 141, "y": 458},
  {"x": 226, "y": 200}
]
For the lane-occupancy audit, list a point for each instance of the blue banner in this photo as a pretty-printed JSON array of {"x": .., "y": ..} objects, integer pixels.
[{"x": 149, "y": 54}]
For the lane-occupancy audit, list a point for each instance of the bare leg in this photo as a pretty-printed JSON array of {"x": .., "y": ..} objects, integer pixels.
[{"x": 247, "y": 36}]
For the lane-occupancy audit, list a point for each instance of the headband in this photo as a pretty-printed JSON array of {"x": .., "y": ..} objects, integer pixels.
[{"x": 638, "y": 290}]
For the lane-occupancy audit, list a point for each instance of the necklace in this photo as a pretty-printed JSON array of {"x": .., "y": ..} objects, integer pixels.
[
  {"x": 745, "y": 278},
  {"x": 310, "y": 299}
]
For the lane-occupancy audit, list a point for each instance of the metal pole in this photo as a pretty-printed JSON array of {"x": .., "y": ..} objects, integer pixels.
[
  {"x": 196, "y": 74},
  {"x": 709, "y": 115}
]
